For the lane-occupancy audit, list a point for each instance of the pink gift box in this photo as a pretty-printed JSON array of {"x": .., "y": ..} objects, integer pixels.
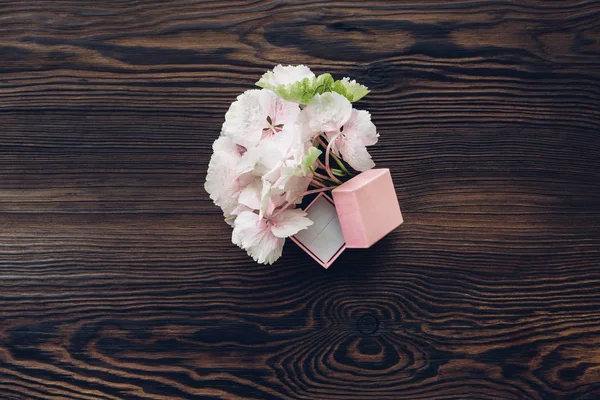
[
  {"x": 367, "y": 208},
  {"x": 363, "y": 210},
  {"x": 323, "y": 240}
]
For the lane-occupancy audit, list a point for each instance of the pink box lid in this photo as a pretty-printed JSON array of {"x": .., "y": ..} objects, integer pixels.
[{"x": 367, "y": 207}]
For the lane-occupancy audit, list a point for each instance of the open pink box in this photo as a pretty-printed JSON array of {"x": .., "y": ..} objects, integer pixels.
[
  {"x": 323, "y": 240},
  {"x": 363, "y": 210}
]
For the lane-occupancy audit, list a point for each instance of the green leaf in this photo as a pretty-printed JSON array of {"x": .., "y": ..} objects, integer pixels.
[
  {"x": 323, "y": 84},
  {"x": 303, "y": 91},
  {"x": 351, "y": 90},
  {"x": 309, "y": 159},
  {"x": 339, "y": 87}
]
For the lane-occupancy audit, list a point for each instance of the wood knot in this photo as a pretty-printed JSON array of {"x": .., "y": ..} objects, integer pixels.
[{"x": 367, "y": 324}]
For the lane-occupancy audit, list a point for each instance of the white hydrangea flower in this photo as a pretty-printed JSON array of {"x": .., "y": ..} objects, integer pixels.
[
  {"x": 279, "y": 164},
  {"x": 332, "y": 114},
  {"x": 357, "y": 133},
  {"x": 262, "y": 238},
  {"x": 256, "y": 115},
  {"x": 326, "y": 112}
]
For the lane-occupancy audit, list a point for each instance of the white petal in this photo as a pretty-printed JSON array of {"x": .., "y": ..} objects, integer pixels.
[
  {"x": 222, "y": 180},
  {"x": 280, "y": 111},
  {"x": 224, "y": 143},
  {"x": 327, "y": 112},
  {"x": 284, "y": 176},
  {"x": 360, "y": 126},
  {"x": 292, "y": 149},
  {"x": 308, "y": 134},
  {"x": 274, "y": 174},
  {"x": 288, "y": 139},
  {"x": 230, "y": 219},
  {"x": 272, "y": 156},
  {"x": 240, "y": 209},
  {"x": 285, "y": 75},
  {"x": 247, "y": 225},
  {"x": 265, "y": 196},
  {"x": 289, "y": 222},
  {"x": 236, "y": 211},
  {"x": 355, "y": 153},
  {"x": 245, "y": 120},
  {"x": 268, "y": 250},
  {"x": 251, "y": 195},
  {"x": 249, "y": 161},
  {"x": 295, "y": 187}
]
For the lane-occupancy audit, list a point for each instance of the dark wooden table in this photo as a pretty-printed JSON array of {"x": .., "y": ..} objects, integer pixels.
[{"x": 118, "y": 276}]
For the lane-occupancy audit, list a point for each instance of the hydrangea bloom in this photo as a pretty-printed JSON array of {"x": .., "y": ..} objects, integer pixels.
[
  {"x": 350, "y": 130},
  {"x": 263, "y": 238},
  {"x": 268, "y": 155},
  {"x": 256, "y": 115}
]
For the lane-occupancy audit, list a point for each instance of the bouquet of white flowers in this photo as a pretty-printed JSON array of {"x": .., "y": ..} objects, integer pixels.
[{"x": 279, "y": 144}]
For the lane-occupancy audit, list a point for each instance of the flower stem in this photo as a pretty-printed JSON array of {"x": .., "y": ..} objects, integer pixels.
[
  {"x": 322, "y": 177},
  {"x": 341, "y": 164},
  {"x": 317, "y": 183},
  {"x": 321, "y": 142},
  {"x": 320, "y": 163},
  {"x": 327, "y": 154}
]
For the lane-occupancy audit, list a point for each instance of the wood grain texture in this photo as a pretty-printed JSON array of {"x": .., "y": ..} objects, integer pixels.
[{"x": 118, "y": 279}]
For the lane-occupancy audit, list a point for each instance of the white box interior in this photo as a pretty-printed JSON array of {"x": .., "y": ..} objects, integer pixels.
[{"x": 324, "y": 237}]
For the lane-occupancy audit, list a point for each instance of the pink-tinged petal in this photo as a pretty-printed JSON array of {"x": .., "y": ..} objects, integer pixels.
[
  {"x": 295, "y": 187},
  {"x": 245, "y": 120},
  {"x": 304, "y": 122},
  {"x": 224, "y": 143},
  {"x": 268, "y": 250},
  {"x": 276, "y": 199},
  {"x": 229, "y": 219},
  {"x": 240, "y": 209},
  {"x": 281, "y": 112},
  {"x": 251, "y": 195},
  {"x": 360, "y": 126},
  {"x": 273, "y": 174},
  {"x": 236, "y": 211},
  {"x": 246, "y": 227},
  {"x": 289, "y": 222},
  {"x": 270, "y": 207},
  {"x": 222, "y": 181},
  {"x": 265, "y": 197},
  {"x": 327, "y": 112},
  {"x": 271, "y": 158},
  {"x": 249, "y": 161},
  {"x": 355, "y": 153},
  {"x": 251, "y": 233},
  {"x": 288, "y": 139}
]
